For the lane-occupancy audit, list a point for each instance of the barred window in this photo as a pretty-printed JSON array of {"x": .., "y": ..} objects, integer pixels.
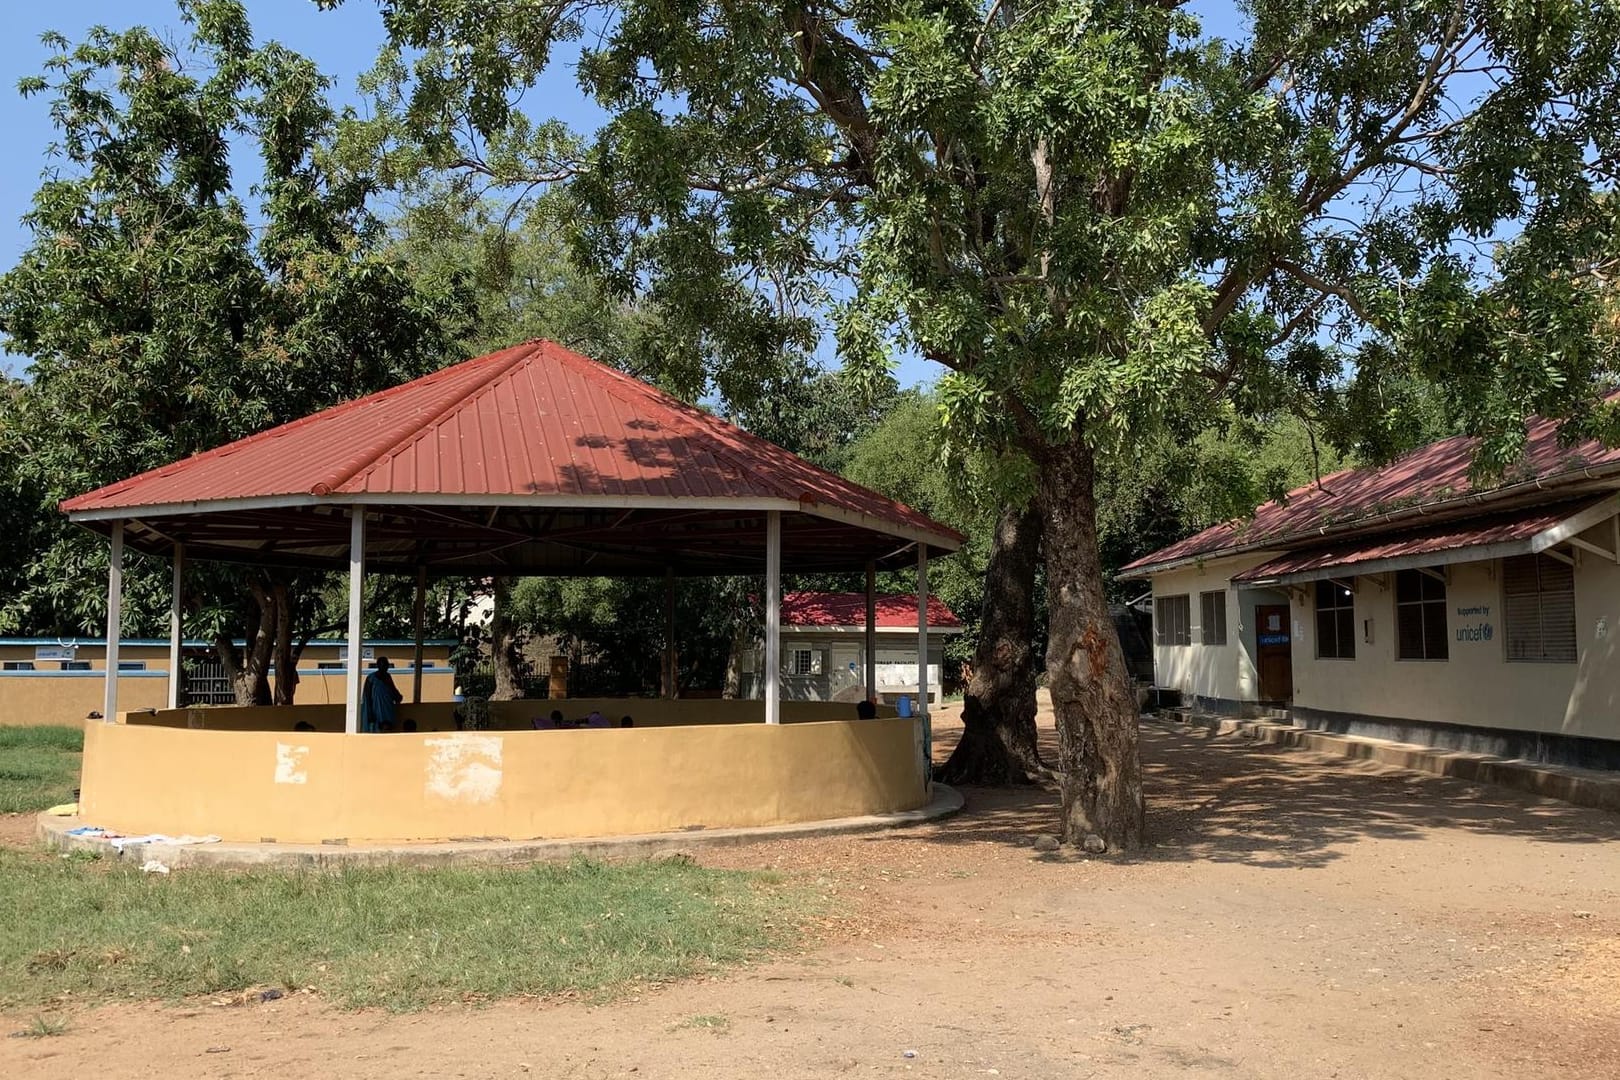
[
  {"x": 1538, "y": 609},
  {"x": 1335, "y": 622},
  {"x": 1212, "y": 612},
  {"x": 1420, "y": 616},
  {"x": 1172, "y": 620}
]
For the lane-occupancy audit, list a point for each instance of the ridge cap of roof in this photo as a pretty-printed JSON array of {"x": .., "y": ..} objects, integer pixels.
[
  {"x": 373, "y": 453},
  {"x": 707, "y": 424}
]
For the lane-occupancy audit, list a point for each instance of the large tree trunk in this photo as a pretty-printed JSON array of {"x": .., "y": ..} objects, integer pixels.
[
  {"x": 998, "y": 711},
  {"x": 503, "y": 643},
  {"x": 249, "y": 668},
  {"x": 286, "y": 651},
  {"x": 1091, "y": 692}
]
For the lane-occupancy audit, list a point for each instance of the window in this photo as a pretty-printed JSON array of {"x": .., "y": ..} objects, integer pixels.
[
  {"x": 75, "y": 665},
  {"x": 1172, "y": 620},
  {"x": 1420, "y": 616},
  {"x": 1212, "y": 612},
  {"x": 805, "y": 662},
  {"x": 1335, "y": 621},
  {"x": 332, "y": 665},
  {"x": 1538, "y": 609},
  {"x": 17, "y": 665},
  {"x": 132, "y": 665}
]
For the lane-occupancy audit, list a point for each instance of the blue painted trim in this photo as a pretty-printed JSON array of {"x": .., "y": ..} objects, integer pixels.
[
  {"x": 386, "y": 643},
  {"x": 161, "y": 673},
  {"x": 97, "y": 675}
]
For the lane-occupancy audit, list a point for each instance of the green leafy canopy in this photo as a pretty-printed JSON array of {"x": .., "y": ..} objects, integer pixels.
[{"x": 1095, "y": 214}]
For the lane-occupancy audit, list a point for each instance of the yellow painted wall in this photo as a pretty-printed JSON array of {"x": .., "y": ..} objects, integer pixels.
[
  {"x": 1475, "y": 685},
  {"x": 504, "y": 715},
  {"x": 26, "y": 700},
  {"x": 1217, "y": 671},
  {"x": 309, "y": 787},
  {"x": 67, "y": 698}
]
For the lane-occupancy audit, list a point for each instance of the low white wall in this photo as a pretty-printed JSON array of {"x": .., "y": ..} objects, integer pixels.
[
  {"x": 1476, "y": 685},
  {"x": 1216, "y": 671}
]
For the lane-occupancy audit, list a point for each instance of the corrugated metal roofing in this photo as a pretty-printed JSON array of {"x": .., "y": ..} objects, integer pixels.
[
  {"x": 532, "y": 420},
  {"x": 1515, "y": 528},
  {"x": 849, "y": 609},
  {"x": 1433, "y": 476}
]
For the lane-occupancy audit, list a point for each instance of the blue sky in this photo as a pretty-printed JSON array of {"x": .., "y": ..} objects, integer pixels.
[{"x": 342, "y": 42}]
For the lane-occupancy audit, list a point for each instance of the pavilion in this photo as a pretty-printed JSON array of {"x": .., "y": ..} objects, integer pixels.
[{"x": 529, "y": 461}]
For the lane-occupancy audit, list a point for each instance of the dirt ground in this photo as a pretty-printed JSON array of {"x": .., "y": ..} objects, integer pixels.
[{"x": 1295, "y": 918}]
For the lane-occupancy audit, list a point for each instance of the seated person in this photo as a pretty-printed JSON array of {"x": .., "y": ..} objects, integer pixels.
[
  {"x": 625, "y": 721},
  {"x": 595, "y": 720},
  {"x": 865, "y": 710},
  {"x": 303, "y": 725}
]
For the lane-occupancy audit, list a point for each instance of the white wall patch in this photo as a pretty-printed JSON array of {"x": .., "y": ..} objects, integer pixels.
[
  {"x": 290, "y": 764},
  {"x": 464, "y": 768}
]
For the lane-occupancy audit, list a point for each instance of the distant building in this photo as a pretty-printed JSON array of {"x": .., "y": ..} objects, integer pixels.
[
  {"x": 824, "y": 647},
  {"x": 59, "y": 680},
  {"x": 1409, "y": 603}
]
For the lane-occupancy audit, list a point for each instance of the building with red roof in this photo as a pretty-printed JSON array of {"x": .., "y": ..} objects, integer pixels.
[
  {"x": 824, "y": 646},
  {"x": 1411, "y": 601},
  {"x": 529, "y": 461}
]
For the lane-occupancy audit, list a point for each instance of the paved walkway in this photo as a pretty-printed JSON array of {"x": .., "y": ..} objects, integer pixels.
[
  {"x": 54, "y": 831},
  {"x": 1584, "y": 787}
]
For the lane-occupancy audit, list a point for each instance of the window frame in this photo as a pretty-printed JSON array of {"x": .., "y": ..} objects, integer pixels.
[
  {"x": 1420, "y": 606},
  {"x": 1540, "y": 560},
  {"x": 17, "y": 665},
  {"x": 1166, "y": 630},
  {"x": 809, "y": 666},
  {"x": 1343, "y": 613},
  {"x": 1212, "y": 608}
]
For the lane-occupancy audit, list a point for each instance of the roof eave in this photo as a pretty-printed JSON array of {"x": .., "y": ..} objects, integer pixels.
[{"x": 1375, "y": 521}]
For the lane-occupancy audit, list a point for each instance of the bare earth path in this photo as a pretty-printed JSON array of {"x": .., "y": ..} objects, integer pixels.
[{"x": 1297, "y": 918}]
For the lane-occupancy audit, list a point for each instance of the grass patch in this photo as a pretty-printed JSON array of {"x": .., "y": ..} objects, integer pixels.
[
  {"x": 39, "y": 767},
  {"x": 43, "y": 1027},
  {"x": 391, "y": 937},
  {"x": 710, "y": 1021}
]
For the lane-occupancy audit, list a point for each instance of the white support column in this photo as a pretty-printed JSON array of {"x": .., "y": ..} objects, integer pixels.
[
  {"x": 871, "y": 631},
  {"x": 773, "y": 616},
  {"x": 419, "y": 618},
  {"x": 922, "y": 629},
  {"x": 357, "y": 592},
  {"x": 176, "y": 675},
  {"x": 115, "y": 617}
]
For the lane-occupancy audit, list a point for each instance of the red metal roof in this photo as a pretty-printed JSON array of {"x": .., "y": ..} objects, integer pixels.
[
  {"x": 1429, "y": 477},
  {"x": 1513, "y": 528},
  {"x": 532, "y": 420},
  {"x": 849, "y": 609}
]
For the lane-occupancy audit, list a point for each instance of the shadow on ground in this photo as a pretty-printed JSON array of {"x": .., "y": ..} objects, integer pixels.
[{"x": 1224, "y": 798}]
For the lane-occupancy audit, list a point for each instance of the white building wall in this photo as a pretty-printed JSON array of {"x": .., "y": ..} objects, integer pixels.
[
  {"x": 1476, "y": 685},
  {"x": 1225, "y": 671}
]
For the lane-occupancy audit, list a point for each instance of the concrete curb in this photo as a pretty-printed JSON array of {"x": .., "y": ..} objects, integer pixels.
[
  {"x": 52, "y": 831},
  {"x": 1582, "y": 787}
]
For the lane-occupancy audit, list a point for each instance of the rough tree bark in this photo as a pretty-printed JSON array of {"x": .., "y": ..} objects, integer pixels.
[
  {"x": 1092, "y": 696},
  {"x": 286, "y": 654},
  {"x": 249, "y": 667},
  {"x": 998, "y": 711},
  {"x": 503, "y": 643}
]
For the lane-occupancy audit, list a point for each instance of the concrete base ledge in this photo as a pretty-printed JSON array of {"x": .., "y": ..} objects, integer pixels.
[
  {"x": 53, "y": 831},
  {"x": 1582, "y": 787}
]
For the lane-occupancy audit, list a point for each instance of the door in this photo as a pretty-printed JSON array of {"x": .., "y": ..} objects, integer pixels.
[{"x": 1276, "y": 652}]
